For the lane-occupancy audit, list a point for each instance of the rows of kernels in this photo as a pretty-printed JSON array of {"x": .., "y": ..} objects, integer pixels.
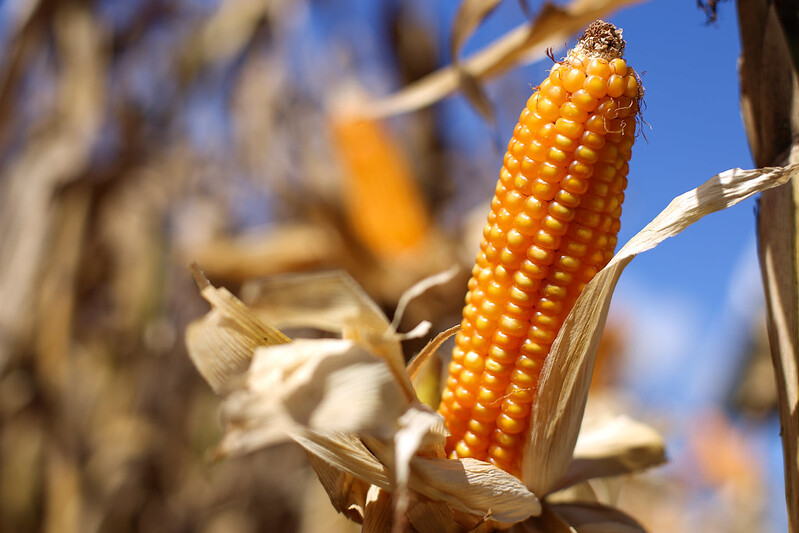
[{"x": 552, "y": 226}]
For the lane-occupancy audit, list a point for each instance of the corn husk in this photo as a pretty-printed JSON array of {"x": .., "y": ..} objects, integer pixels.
[{"x": 379, "y": 452}]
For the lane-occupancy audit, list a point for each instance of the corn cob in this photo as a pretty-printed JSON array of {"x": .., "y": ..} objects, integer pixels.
[
  {"x": 384, "y": 206},
  {"x": 552, "y": 226}
]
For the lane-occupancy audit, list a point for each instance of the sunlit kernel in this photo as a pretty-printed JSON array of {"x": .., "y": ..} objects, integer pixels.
[{"x": 509, "y": 425}]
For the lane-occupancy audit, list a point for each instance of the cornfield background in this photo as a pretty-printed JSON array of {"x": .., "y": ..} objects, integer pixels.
[{"x": 137, "y": 137}]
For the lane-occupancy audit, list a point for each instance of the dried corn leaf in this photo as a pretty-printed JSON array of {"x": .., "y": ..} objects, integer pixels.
[
  {"x": 778, "y": 240},
  {"x": 470, "y": 15},
  {"x": 552, "y": 27},
  {"x": 567, "y": 373},
  {"x": 325, "y": 386},
  {"x": 614, "y": 447},
  {"x": 222, "y": 343}
]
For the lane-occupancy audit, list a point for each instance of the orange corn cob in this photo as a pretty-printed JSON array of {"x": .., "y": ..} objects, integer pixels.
[
  {"x": 384, "y": 206},
  {"x": 552, "y": 227}
]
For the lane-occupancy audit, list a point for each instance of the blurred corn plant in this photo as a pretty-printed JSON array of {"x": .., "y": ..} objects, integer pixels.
[{"x": 138, "y": 136}]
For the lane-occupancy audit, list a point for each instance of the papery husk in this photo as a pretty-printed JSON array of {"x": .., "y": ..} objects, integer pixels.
[
  {"x": 222, "y": 343},
  {"x": 580, "y": 518},
  {"x": 322, "y": 385},
  {"x": 347, "y": 493},
  {"x": 613, "y": 447},
  {"x": 330, "y": 301},
  {"x": 553, "y": 26},
  {"x": 474, "y": 487},
  {"x": 379, "y": 512},
  {"x": 566, "y": 376},
  {"x": 429, "y": 350}
]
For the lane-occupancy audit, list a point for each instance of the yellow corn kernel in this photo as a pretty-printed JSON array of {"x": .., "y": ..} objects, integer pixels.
[{"x": 552, "y": 226}]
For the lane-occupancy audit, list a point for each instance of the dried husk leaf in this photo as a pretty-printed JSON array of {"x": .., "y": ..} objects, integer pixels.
[
  {"x": 222, "y": 343},
  {"x": 323, "y": 385},
  {"x": 346, "y": 492},
  {"x": 331, "y": 301},
  {"x": 474, "y": 487},
  {"x": 566, "y": 377},
  {"x": 432, "y": 517},
  {"x": 348, "y": 454},
  {"x": 377, "y": 517},
  {"x": 602, "y": 491},
  {"x": 586, "y": 518},
  {"x": 415, "y": 431},
  {"x": 552, "y": 27},
  {"x": 420, "y": 288},
  {"x": 429, "y": 350},
  {"x": 547, "y": 522},
  {"x": 614, "y": 447}
]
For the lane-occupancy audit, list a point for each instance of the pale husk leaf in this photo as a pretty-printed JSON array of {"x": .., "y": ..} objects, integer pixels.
[
  {"x": 432, "y": 517},
  {"x": 377, "y": 517},
  {"x": 615, "y": 447},
  {"x": 330, "y": 301},
  {"x": 346, "y": 492},
  {"x": 603, "y": 491},
  {"x": 221, "y": 344},
  {"x": 566, "y": 377},
  {"x": 415, "y": 426},
  {"x": 552, "y": 27},
  {"x": 347, "y": 453},
  {"x": 465, "y": 485},
  {"x": 322, "y": 385},
  {"x": 474, "y": 487},
  {"x": 429, "y": 350},
  {"x": 419, "y": 288}
]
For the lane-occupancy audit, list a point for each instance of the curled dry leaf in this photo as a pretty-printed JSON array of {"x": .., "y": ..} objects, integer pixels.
[
  {"x": 552, "y": 27},
  {"x": 222, "y": 343},
  {"x": 326, "y": 386},
  {"x": 330, "y": 301},
  {"x": 567, "y": 373},
  {"x": 614, "y": 447},
  {"x": 377, "y": 516}
]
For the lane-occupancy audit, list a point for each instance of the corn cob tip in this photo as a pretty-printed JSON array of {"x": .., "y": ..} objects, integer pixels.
[{"x": 601, "y": 39}]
